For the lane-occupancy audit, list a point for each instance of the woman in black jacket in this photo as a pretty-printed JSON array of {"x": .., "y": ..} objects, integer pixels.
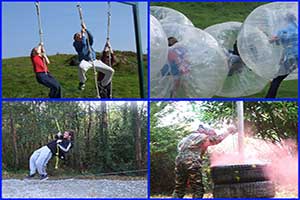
[{"x": 58, "y": 147}]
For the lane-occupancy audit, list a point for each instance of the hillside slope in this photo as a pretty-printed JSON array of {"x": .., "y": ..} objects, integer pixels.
[{"x": 18, "y": 78}]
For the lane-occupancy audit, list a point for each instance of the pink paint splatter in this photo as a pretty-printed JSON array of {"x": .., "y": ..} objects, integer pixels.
[{"x": 281, "y": 157}]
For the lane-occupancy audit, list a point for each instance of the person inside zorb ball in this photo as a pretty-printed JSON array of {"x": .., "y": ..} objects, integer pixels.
[
  {"x": 288, "y": 38},
  {"x": 268, "y": 42},
  {"x": 177, "y": 64},
  {"x": 196, "y": 65},
  {"x": 230, "y": 59},
  {"x": 240, "y": 81}
]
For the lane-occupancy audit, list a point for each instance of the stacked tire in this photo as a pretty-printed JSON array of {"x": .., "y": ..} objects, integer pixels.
[{"x": 242, "y": 181}]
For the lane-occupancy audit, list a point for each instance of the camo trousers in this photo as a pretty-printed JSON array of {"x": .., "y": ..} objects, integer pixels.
[{"x": 188, "y": 170}]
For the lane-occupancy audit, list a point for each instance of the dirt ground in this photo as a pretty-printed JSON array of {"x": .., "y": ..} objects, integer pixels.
[{"x": 76, "y": 188}]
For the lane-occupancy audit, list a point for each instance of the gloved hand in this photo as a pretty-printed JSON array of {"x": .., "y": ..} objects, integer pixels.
[{"x": 232, "y": 129}]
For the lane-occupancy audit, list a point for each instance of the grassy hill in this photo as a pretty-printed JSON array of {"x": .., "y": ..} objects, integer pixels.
[
  {"x": 204, "y": 14},
  {"x": 18, "y": 78}
]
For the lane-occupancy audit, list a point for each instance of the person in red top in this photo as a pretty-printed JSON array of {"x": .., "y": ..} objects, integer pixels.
[
  {"x": 43, "y": 76},
  {"x": 105, "y": 92}
]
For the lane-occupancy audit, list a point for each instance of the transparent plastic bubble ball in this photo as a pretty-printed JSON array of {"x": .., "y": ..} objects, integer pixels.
[
  {"x": 196, "y": 64},
  {"x": 240, "y": 81},
  {"x": 158, "y": 46},
  {"x": 292, "y": 76},
  {"x": 158, "y": 58},
  {"x": 225, "y": 33},
  {"x": 168, "y": 15},
  {"x": 268, "y": 40}
]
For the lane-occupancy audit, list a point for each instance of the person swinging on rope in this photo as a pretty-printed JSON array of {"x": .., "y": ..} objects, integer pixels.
[
  {"x": 39, "y": 61},
  {"x": 88, "y": 59},
  {"x": 108, "y": 57},
  {"x": 58, "y": 147}
]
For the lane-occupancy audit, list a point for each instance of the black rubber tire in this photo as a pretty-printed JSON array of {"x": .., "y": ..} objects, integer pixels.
[
  {"x": 239, "y": 173},
  {"x": 245, "y": 190}
]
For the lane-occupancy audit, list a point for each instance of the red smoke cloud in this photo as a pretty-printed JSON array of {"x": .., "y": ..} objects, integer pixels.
[{"x": 282, "y": 158}]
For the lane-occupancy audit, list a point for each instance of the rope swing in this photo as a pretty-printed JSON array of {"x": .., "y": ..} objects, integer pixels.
[
  {"x": 38, "y": 11},
  {"x": 108, "y": 30},
  {"x": 108, "y": 38},
  {"x": 41, "y": 34},
  {"x": 89, "y": 48},
  {"x": 103, "y": 90},
  {"x": 57, "y": 148}
]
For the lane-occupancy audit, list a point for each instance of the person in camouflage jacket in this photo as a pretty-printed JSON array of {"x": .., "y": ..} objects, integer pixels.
[{"x": 188, "y": 161}]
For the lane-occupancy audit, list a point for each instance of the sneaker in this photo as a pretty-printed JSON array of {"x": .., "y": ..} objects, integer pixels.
[
  {"x": 81, "y": 86},
  {"x": 29, "y": 176},
  {"x": 43, "y": 177}
]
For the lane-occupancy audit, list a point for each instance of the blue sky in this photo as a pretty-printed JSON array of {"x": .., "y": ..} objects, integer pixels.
[{"x": 60, "y": 20}]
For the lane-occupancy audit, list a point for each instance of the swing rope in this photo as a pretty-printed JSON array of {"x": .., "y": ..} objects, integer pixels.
[
  {"x": 108, "y": 20},
  {"x": 107, "y": 40},
  {"x": 41, "y": 34},
  {"x": 89, "y": 48},
  {"x": 38, "y": 11},
  {"x": 57, "y": 148}
]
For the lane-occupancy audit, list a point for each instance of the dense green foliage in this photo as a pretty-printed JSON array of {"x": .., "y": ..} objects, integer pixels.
[
  {"x": 272, "y": 121},
  {"x": 204, "y": 14},
  {"x": 18, "y": 79},
  {"x": 107, "y": 134}
]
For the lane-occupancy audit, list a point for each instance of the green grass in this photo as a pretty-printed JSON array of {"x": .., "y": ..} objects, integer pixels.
[
  {"x": 287, "y": 89},
  {"x": 204, "y": 14},
  {"x": 18, "y": 78}
]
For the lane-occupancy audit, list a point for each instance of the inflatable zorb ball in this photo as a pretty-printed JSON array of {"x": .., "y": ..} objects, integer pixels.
[
  {"x": 292, "y": 76},
  {"x": 160, "y": 86},
  {"x": 196, "y": 63},
  {"x": 225, "y": 33},
  {"x": 269, "y": 57},
  {"x": 158, "y": 46},
  {"x": 167, "y": 15},
  {"x": 240, "y": 81}
]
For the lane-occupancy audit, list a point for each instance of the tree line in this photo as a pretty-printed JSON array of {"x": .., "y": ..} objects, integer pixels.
[{"x": 109, "y": 136}]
